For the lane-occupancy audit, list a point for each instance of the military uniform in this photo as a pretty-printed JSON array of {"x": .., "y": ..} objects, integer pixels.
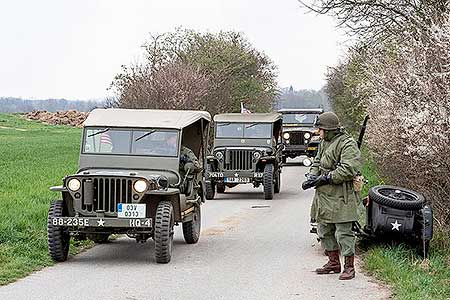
[
  {"x": 188, "y": 163},
  {"x": 188, "y": 156},
  {"x": 335, "y": 202}
]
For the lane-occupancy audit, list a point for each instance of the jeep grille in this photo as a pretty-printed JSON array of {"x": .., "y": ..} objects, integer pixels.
[
  {"x": 296, "y": 138},
  {"x": 108, "y": 192},
  {"x": 239, "y": 160}
]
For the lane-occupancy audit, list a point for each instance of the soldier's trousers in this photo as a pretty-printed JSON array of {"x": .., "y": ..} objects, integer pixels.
[{"x": 334, "y": 236}]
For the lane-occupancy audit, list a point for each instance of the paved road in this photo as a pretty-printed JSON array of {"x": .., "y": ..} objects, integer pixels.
[{"x": 250, "y": 248}]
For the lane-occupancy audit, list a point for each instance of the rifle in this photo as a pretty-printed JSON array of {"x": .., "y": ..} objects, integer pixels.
[{"x": 363, "y": 131}]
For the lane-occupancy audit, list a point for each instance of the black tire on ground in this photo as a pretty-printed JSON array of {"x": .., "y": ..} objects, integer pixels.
[
  {"x": 268, "y": 182},
  {"x": 58, "y": 237},
  {"x": 191, "y": 229},
  {"x": 396, "y": 197},
  {"x": 220, "y": 188},
  {"x": 99, "y": 238},
  {"x": 164, "y": 221},
  {"x": 210, "y": 190},
  {"x": 277, "y": 186}
]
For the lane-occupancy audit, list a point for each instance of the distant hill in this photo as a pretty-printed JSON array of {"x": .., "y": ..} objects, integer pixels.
[
  {"x": 17, "y": 105},
  {"x": 289, "y": 98}
]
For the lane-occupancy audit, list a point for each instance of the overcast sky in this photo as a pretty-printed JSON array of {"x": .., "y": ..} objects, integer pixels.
[{"x": 73, "y": 48}]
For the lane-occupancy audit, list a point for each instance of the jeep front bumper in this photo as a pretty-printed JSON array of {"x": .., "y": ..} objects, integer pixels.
[
  {"x": 83, "y": 222},
  {"x": 236, "y": 177}
]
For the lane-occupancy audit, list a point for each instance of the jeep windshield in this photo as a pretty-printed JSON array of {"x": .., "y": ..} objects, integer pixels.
[
  {"x": 302, "y": 119},
  {"x": 244, "y": 130},
  {"x": 151, "y": 142}
]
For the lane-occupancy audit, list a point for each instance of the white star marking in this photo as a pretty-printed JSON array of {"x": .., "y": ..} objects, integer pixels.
[
  {"x": 101, "y": 222},
  {"x": 236, "y": 175},
  {"x": 396, "y": 225}
]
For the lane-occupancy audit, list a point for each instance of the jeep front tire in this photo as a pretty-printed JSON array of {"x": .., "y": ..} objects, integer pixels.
[
  {"x": 58, "y": 237},
  {"x": 268, "y": 182},
  {"x": 164, "y": 222}
]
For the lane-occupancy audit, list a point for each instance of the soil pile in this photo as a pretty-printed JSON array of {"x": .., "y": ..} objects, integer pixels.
[{"x": 70, "y": 117}]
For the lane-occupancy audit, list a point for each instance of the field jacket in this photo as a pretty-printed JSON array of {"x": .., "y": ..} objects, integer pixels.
[{"x": 337, "y": 202}]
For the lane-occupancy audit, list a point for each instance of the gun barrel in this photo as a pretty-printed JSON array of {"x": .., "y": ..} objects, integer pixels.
[{"x": 363, "y": 131}]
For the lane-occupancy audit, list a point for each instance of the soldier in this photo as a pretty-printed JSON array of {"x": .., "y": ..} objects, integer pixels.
[
  {"x": 188, "y": 161},
  {"x": 335, "y": 202}
]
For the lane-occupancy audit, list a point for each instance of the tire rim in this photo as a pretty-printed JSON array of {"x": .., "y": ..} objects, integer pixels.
[{"x": 398, "y": 194}]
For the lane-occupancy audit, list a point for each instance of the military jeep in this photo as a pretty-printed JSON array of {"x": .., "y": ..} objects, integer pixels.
[
  {"x": 299, "y": 135},
  {"x": 247, "y": 149},
  {"x": 129, "y": 180}
]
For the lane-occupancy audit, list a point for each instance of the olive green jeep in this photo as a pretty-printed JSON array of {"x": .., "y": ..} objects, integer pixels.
[
  {"x": 247, "y": 149},
  {"x": 300, "y": 137},
  {"x": 130, "y": 182}
]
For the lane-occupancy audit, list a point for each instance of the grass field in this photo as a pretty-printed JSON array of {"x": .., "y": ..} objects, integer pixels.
[
  {"x": 33, "y": 157},
  {"x": 408, "y": 276}
]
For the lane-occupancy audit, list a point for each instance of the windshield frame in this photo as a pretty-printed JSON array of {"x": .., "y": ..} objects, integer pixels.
[
  {"x": 131, "y": 130},
  {"x": 243, "y": 132},
  {"x": 298, "y": 123}
]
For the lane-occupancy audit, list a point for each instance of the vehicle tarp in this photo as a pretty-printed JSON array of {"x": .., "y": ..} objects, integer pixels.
[
  {"x": 248, "y": 118},
  {"x": 145, "y": 118},
  {"x": 301, "y": 111}
]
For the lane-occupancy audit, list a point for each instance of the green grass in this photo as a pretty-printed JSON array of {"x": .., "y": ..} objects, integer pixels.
[
  {"x": 408, "y": 276},
  {"x": 33, "y": 157}
]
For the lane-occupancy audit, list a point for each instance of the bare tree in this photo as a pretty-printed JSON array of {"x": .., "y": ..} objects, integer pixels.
[
  {"x": 402, "y": 79},
  {"x": 377, "y": 20}
]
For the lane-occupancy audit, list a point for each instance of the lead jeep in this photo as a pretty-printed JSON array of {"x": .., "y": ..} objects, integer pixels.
[
  {"x": 129, "y": 180},
  {"x": 247, "y": 149},
  {"x": 299, "y": 135}
]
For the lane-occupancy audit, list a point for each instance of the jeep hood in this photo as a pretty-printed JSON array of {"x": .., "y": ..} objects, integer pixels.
[
  {"x": 299, "y": 128},
  {"x": 148, "y": 174}
]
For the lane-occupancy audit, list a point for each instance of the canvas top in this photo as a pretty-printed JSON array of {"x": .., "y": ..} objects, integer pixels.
[
  {"x": 248, "y": 118},
  {"x": 145, "y": 118},
  {"x": 301, "y": 110}
]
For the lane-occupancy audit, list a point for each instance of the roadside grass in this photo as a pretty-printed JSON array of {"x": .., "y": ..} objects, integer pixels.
[
  {"x": 33, "y": 157},
  {"x": 409, "y": 276}
]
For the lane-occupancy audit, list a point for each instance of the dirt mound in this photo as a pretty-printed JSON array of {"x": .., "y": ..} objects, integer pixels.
[{"x": 70, "y": 117}]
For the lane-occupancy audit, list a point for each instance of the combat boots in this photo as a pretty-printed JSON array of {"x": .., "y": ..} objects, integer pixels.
[
  {"x": 349, "y": 268},
  {"x": 333, "y": 265}
]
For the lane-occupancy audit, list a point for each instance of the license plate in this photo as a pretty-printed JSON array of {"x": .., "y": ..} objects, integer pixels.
[
  {"x": 77, "y": 222},
  {"x": 237, "y": 180},
  {"x": 133, "y": 211},
  {"x": 311, "y": 148}
]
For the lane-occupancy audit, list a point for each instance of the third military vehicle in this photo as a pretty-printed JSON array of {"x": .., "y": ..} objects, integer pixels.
[
  {"x": 247, "y": 149},
  {"x": 299, "y": 135}
]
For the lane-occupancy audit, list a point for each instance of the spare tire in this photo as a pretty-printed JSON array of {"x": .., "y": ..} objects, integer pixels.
[{"x": 396, "y": 197}]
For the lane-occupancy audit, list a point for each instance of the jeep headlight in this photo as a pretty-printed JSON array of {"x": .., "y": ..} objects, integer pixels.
[
  {"x": 256, "y": 155},
  {"x": 307, "y": 135},
  {"x": 163, "y": 182},
  {"x": 219, "y": 155},
  {"x": 74, "y": 184},
  {"x": 140, "y": 186},
  {"x": 286, "y": 135}
]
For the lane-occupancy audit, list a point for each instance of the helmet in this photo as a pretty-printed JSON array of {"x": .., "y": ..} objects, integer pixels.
[{"x": 327, "y": 121}]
